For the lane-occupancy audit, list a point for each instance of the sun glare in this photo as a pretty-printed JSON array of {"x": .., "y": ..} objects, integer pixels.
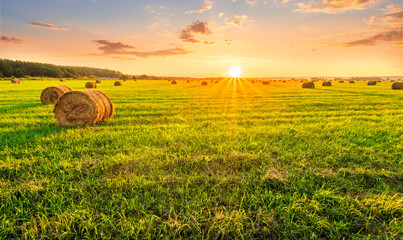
[{"x": 235, "y": 71}]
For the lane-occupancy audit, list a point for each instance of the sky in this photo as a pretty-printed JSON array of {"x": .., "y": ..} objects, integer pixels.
[{"x": 204, "y": 38}]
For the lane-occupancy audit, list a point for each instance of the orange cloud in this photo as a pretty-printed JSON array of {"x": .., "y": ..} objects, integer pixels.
[
  {"x": 197, "y": 28},
  {"x": 15, "y": 40},
  {"x": 118, "y": 48},
  {"x": 334, "y": 6},
  {"x": 392, "y": 17},
  {"x": 250, "y": 2},
  {"x": 207, "y": 6},
  {"x": 237, "y": 21},
  {"x": 395, "y": 36},
  {"x": 46, "y": 25}
]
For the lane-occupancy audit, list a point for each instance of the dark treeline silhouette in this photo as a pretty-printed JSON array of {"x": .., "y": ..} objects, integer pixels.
[{"x": 19, "y": 69}]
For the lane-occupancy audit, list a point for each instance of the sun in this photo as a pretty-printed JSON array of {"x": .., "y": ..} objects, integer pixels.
[{"x": 235, "y": 71}]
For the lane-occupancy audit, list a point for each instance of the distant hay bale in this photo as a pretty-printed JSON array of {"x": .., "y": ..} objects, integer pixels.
[
  {"x": 371, "y": 83},
  {"x": 98, "y": 81},
  {"x": 80, "y": 108},
  {"x": 50, "y": 95},
  {"x": 187, "y": 81},
  {"x": 351, "y": 81},
  {"x": 308, "y": 85},
  {"x": 173, "y": 82},
  {"x": 62, "y": 80},
  {"x": 397, "y": 85},
  {"x": 265, "y": 82},
  {"x": 117, "y": 83},
  {"x": 252, "y": 81},
  {"x": 216, "y": 81},
  {"x": 90, "y": 85},
  {"x": 341, "y": 81},
  {"x": 204, "y": 83},
  {"x": 327, "y": 84},
  {"x": 15, "y": 80}
]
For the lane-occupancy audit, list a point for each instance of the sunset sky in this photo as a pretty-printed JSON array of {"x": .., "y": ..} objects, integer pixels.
[{"x": 207, "y": 37}]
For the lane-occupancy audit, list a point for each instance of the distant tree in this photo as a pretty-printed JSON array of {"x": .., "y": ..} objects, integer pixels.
[{"x": 124, "y": 77}]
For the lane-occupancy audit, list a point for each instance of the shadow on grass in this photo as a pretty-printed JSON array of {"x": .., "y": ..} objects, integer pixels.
[
  {"x": 24, "y": 106},
  {"x": 12, "y": 139},
  {"x": 365, "y": 93}
]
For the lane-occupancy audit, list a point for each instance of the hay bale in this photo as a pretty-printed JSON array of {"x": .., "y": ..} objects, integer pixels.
[
  {"x": 15, "y": 80},
  {"x": 204, "y": 83},
  {"x": 327, "y": 84},
  {"x": 90, "y": 85},
  {"x": 351, "y": 81},
  {"x": 341, "y": 81},
  {"x": 117, "y": 83},
  {"x": 79, "y": 108},
  {"x": 397, "y": 85},
  {"x": 265, "y": 82},
  {"x": 308, "y": 85},
  {"x": 173, "y": 82},
  {"x": 50, "y": 95},
  {"x": 216, "y": 81},
  {"x": 371, "y": 83},
  {"x": 62, "y": 80},
  {"x": 98, "y": 81}
]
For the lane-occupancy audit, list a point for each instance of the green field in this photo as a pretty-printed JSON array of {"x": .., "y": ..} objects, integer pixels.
[{"x": 230, "y": 160}]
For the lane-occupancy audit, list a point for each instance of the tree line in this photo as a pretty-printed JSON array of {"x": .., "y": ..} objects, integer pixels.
[{"x": 20, "y": 69}]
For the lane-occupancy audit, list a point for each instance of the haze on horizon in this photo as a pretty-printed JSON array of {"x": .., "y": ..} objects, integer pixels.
[{"x": 207, "y": 37}]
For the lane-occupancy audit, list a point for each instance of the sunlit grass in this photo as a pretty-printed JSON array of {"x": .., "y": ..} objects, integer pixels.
[{"x": 230, "y": 159}]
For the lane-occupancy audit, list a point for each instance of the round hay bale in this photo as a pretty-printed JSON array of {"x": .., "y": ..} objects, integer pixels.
[
  {"x": 308, "y": 85},
  {"x": 173, "y": 82},
  {"x": 50, "y": 95},
  {"x": 341, "y": 81},
  {"x": 351, "y": 82},
  {"x": 204, "y": 83},
  {"x": 252, "y": 81},
  {"x": 265, "y": 82},
  {"x": 90, "y": 85},
  {"x": 80, "y": 108},
  {"x": 117, "y": 83},
  {"x": 98, "y": 81},
  {"x": 397, "y": 85},
  {"x": 216, "y": 81},
  {"x": 327, "y": 84},
  {"x": 371, "y": 83},
  {"x": 62, "y": 80},
  {"x": 15, "y": 80}
]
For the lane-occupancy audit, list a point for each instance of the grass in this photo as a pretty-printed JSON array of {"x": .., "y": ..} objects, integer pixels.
[{"x": 227, "y": 160}]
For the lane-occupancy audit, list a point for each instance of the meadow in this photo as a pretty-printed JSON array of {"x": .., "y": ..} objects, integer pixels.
[{"x": 233, "y": 159}]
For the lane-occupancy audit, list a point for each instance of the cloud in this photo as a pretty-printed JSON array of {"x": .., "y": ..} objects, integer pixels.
[
  {"x": 46, "y": 25},
  {"x": 393, "y": 16},
  {"x": 334, "y": 6},
  {"x": 227, "y": 42},
  {"x": 237, "y": 21},
  {"x": 118, "y": 48},
  {"x": 250, "y": 2},
  {"x": 395, "y": 36},
  {"x": 207, "y": 6},
  {"x": 197, "y": 28},
  {"x": 15, "y": 40},
  {"x": 112, "y": 47}
]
